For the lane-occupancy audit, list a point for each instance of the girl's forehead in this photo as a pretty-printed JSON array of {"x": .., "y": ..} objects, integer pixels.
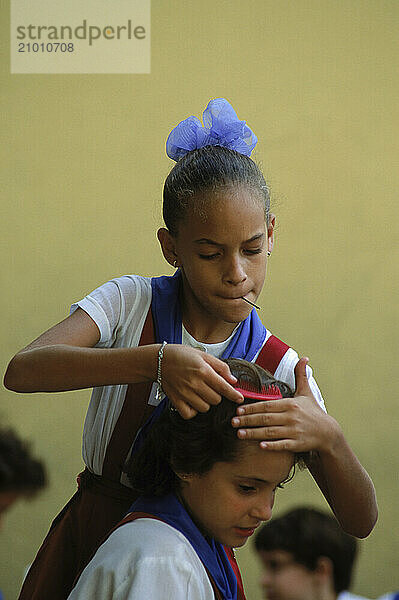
[
  {"x": 239, "y": 211},
  {"x": 227, "y": 197},
  {"x": 254, "y": 462}
]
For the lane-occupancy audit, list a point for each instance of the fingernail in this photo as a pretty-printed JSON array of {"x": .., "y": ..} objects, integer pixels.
[
  {"x": 235, "y": 421},
  {"x": 240, "y": 410},
  {"x": 242, "y": 433},
  {"x": 263, "y": 444}
]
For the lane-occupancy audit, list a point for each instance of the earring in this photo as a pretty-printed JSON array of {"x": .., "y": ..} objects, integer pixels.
[
  {"x": 175, "y": 265},
  {"x": 268, "y": 253}
]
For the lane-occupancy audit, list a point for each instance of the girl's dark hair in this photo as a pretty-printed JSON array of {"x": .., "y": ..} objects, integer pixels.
[
  {"x": 308, "y": 534},
  {"x": 195, "y": 445},
  {"x": 19, "y": 470},
  {"x": 209, "y": 168}
]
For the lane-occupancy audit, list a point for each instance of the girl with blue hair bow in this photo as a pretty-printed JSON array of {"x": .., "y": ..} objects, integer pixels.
[{"x": 135, "y": 338}]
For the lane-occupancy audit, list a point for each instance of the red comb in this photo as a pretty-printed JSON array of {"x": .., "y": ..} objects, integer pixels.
[{"x": 270, "y": 392}]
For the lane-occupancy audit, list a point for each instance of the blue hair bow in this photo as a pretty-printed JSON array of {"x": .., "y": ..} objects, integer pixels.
[{"x": 222, "y": 127}]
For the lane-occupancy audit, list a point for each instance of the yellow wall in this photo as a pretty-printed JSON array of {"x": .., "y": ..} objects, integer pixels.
[{"x": 83, "y": 163}]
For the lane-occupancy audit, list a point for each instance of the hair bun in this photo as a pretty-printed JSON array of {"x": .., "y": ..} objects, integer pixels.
[{"x": 221, "y": 127}]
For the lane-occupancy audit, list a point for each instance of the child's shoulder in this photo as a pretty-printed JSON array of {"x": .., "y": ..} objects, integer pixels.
[
  {"x": 124, "y": 287},
  {"x": 129, "y": 295},
  {"x": 136, "y": 539},
  {"x": 131, "y": 282},
  {"x": 147, "y": 553},
  {"x": 284, "y": 361},
  {"x": 117, "y": 305},
  {"x": 279, "y": 358}
]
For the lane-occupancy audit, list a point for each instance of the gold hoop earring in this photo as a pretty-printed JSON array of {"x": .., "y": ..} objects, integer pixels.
[{"x": 175, "y": 265}]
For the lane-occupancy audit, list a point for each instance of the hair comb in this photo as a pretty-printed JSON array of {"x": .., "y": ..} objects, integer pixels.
[{"x": 269, "y": 392}]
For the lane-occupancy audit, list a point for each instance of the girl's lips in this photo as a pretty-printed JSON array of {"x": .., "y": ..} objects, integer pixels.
[
  {"x": 245, "y": 531},
  {"x": 238, "y": 297}
]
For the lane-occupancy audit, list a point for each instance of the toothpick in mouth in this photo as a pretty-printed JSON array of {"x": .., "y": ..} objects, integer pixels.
[{"x": 251, "y": 303}]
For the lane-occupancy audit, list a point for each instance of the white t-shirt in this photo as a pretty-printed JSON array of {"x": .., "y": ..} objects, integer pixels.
[
  {"x": 144, "y": 560},
  {"x": 119, "y": 309}
]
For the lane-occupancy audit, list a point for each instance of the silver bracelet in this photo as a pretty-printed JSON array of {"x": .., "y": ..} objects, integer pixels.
[{"x": 159, "y": 371}]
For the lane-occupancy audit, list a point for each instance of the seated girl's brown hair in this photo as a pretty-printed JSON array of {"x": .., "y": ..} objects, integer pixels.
[{"x": 175, "y": 445}]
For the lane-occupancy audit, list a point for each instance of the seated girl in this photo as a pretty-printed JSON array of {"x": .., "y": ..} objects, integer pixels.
[{"x": 202, "y": 492}]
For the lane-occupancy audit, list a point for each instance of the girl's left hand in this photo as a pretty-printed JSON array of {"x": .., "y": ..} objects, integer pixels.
[{"x": 296, "y": 424}]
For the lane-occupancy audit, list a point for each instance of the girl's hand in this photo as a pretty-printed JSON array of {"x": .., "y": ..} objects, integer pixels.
[
  {"x": 299, "y": 424},
  {"x": 296, "y": 424},
  {"x": 193, "y": 380}
]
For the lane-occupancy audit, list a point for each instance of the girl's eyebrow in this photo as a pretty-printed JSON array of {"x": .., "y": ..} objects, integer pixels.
[
  {"x": 254, "y": 238},
  {"x": 257, "y": 479}
]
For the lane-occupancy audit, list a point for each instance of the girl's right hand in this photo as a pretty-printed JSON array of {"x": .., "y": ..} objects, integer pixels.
[{"x": 194, "y": 380}]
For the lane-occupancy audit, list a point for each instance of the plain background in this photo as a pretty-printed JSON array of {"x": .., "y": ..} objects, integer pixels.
[{"x": 83, "y": 165}]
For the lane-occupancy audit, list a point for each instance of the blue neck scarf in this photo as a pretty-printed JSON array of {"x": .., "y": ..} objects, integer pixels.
[
  {"x": 167, "y": 315},
  {"x": 211, "y": 553}
]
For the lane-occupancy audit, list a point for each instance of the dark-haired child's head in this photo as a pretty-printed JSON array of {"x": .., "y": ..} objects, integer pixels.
[
  {"x": 202, "y": 172},
  {"x": 227, "y": 484},
  {"x": 218, "y": 231},
  {"x": 305, "y": 556},
  {"x": 20, "y": 473}
]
